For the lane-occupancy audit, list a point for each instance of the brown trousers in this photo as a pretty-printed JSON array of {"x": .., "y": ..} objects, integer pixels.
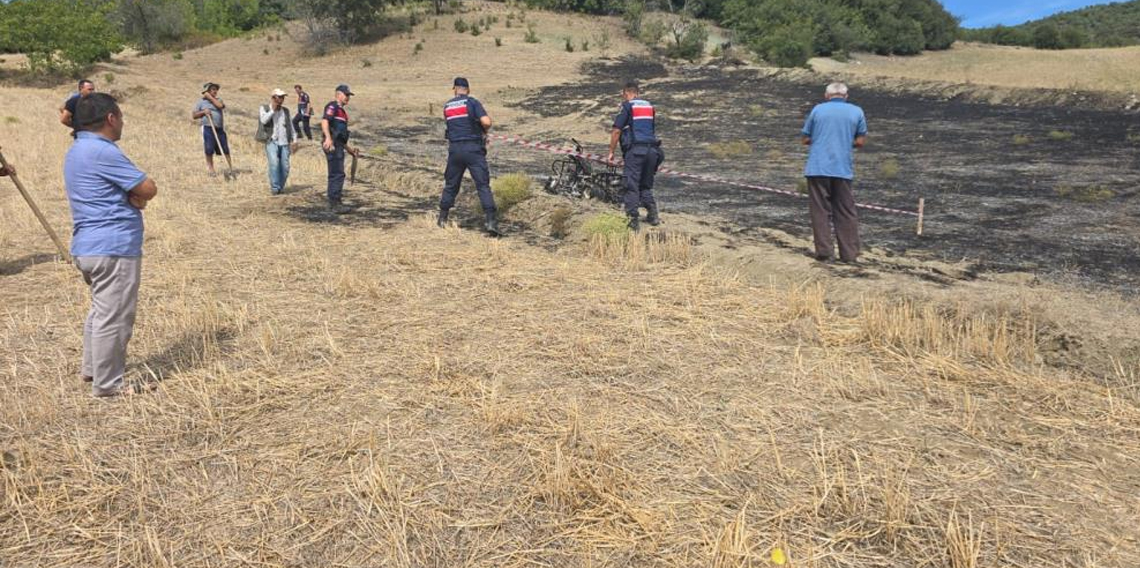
[{"x": 833, "y": 203}]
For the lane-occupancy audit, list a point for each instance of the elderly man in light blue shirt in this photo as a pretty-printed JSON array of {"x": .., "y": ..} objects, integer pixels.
[
  {"x": 107, "y": 194},
  {"x": 833, "y": 130}
]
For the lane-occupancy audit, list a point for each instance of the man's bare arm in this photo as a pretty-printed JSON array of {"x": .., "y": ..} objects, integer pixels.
[{"x": 860, "y": 141}]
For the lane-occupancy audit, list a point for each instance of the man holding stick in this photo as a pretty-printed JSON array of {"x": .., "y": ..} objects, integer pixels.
[
  {"x": 107, "y": 194},
  {"x": 209, "y": 111}
]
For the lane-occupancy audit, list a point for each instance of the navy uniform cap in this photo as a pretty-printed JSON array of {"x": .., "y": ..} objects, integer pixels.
[
  {"x": 344, "y": 89},
  {"x": 461, "y": 82}
]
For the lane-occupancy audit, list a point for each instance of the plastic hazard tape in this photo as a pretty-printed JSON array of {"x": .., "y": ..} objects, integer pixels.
[{"x": 669, "y": 171}]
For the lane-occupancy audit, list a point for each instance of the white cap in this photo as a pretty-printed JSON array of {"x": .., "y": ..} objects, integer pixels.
[{"x": 278, "y": 93}]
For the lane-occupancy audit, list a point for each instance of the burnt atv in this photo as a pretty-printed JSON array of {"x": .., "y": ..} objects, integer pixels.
[{"x": 575, "y": 176}]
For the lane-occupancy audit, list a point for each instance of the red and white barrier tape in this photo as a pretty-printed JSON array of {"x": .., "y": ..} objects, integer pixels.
[{"x": 669, "y": 171}]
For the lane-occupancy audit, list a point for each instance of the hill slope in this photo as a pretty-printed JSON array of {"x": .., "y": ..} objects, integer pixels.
[{"x": 1106, "y": 25}]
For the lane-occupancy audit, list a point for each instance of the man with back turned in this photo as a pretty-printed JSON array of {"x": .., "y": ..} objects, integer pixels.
[{"x": 832, "y": 131}]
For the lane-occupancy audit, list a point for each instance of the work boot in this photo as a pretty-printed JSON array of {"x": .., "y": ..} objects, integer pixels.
[
  {"x": 442, "y": 221},
  {"x": 652, "y": 217},
  {"x": 634, "y": 222},
  {"x": 492, "y": 225}
]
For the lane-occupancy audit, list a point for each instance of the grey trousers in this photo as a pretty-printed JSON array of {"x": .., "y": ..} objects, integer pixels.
[
  {"x": 114, "y": 284},
  {"x": 833, "y": 203}
]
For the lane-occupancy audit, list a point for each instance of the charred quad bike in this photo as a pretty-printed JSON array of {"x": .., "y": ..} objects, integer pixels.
[{"x": 575, "y": 176}]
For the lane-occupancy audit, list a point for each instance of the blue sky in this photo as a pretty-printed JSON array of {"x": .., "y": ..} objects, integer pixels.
[{"x": 982, "y": 13}]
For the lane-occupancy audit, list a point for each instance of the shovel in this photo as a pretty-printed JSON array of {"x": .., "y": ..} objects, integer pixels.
[
  {"x": 352, "y": 171},
  {"x": 36, "y": 210},
  {"x": 229, "y": 163}
]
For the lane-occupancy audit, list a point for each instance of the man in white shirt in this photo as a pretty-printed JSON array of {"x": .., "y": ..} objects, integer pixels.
[{"x": 277, "y": 133}]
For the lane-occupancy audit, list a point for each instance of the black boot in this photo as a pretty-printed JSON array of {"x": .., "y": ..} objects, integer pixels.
[
  {"x": 634, "y": 222},
  {"x": 653, "y": 218},
  {"x": 492, "y": 225},
  {"x": 442, "y": 221}
]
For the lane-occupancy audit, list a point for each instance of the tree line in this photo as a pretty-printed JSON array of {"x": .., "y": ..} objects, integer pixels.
[
  {"x": 69, "y": 35},
  {"x": 789, "y": 32},
  {"x": 1110, "y": 25}
]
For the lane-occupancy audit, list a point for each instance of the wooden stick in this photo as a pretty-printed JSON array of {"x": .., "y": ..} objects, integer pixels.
[
  {"x": 217, "y": 139},
  {"x": 28, "y": 197},
  {"x": 921, "y": 206}
]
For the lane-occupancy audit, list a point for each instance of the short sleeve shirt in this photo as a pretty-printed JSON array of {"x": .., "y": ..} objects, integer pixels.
[
  {"x": 303, "y": 103},
  {"x": 833, "y": 127},
  {"x": 70, "y": 105},
  {"x": 98, "y": 177},
  {"x": 637, "y": 117},
  {"x": 464, "y": 115},
  {"x": 215, "y": 112},
  {"x": 338, "y": 121}
]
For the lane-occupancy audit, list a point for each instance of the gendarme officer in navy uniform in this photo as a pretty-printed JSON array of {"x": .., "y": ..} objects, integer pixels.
[
  {"x": 334, "y": 125},
  {"x": 467, "y": 127},
  {"x": 634, "y": 129}
]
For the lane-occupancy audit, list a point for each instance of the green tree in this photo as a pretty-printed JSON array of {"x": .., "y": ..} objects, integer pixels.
[
  {"x": 1046, "y": 36},
  {"x": 151, "y": 24},
  {"x": 60, "y": 35}
]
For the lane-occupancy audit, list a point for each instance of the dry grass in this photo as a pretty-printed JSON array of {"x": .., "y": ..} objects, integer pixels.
[
  {"x": 1000, "y": 66},
  {"x": 378, "y": 392}
]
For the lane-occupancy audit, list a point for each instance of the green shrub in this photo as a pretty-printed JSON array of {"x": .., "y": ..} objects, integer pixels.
[
  {"x": 786, "y": 47},
  {"x": 731, "y": 149},
  {"x": 756, "y": 111},
  {"x": 378, "y": 151},
  {"x": 419, "y": 47},
  {"x": 652, "y": 32},
  {"x": 510, "y": 190},
  {"x": 498, "y": 42},
  {"x": 475, "y": 31},
  {"x": 531, "y": 34},
  {"x": 1087, "y": 194},
  {"x": 1060, "y": 135},
  {"x": 889, "y": 168},
  {"x": 607, "y": 225},
  {"x": 585, "y": 45},
  {"x": 109, "y": 78},
  {"x": 60, "y": 35},
  {"x": 11, "y": 120},
  {"x": 177, "y": 55},
  {"x": 460, "y": 25},
  {"x": 1021, "y": 139},
  {"x": 560, "y": 221},
  {"x": 366, "y": 63},
  {"x": 689, "y": 43},
  {"x": 569, "y": 44}
]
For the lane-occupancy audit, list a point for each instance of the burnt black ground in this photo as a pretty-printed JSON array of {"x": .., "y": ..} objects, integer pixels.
[{"x": 998, "y": 204}]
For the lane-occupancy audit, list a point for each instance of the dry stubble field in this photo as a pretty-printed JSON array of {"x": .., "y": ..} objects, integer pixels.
[{"x": 373, "y": 391}]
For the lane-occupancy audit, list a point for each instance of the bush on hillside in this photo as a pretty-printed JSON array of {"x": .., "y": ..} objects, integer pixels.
[
  {"x": 59, "y": 35},
  {"x": 689, "y": 38}
]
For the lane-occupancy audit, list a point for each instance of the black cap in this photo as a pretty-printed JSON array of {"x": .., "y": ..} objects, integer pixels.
[
  {"x": 461, "y": 82},
  {"x": 344, "y": 89}
]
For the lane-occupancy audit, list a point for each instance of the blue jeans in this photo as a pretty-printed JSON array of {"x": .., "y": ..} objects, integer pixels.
[{"x": 278, "y": 155}]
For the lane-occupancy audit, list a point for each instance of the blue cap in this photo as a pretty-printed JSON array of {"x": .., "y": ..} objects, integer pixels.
[
  {"x": 461, "y": 82},
  {"x": 344, "y": 89}
]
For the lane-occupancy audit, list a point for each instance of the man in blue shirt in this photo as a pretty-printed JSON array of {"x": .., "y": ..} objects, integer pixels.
[
  {"x": 467, "y": 127},
  {"x": 635, "y": 129},
  {"x": 833, "y": 130},
  {"x": 107, "y": 194},
  {"x": 67, "y": 111},
  {"x": 209, "y": 111}
]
